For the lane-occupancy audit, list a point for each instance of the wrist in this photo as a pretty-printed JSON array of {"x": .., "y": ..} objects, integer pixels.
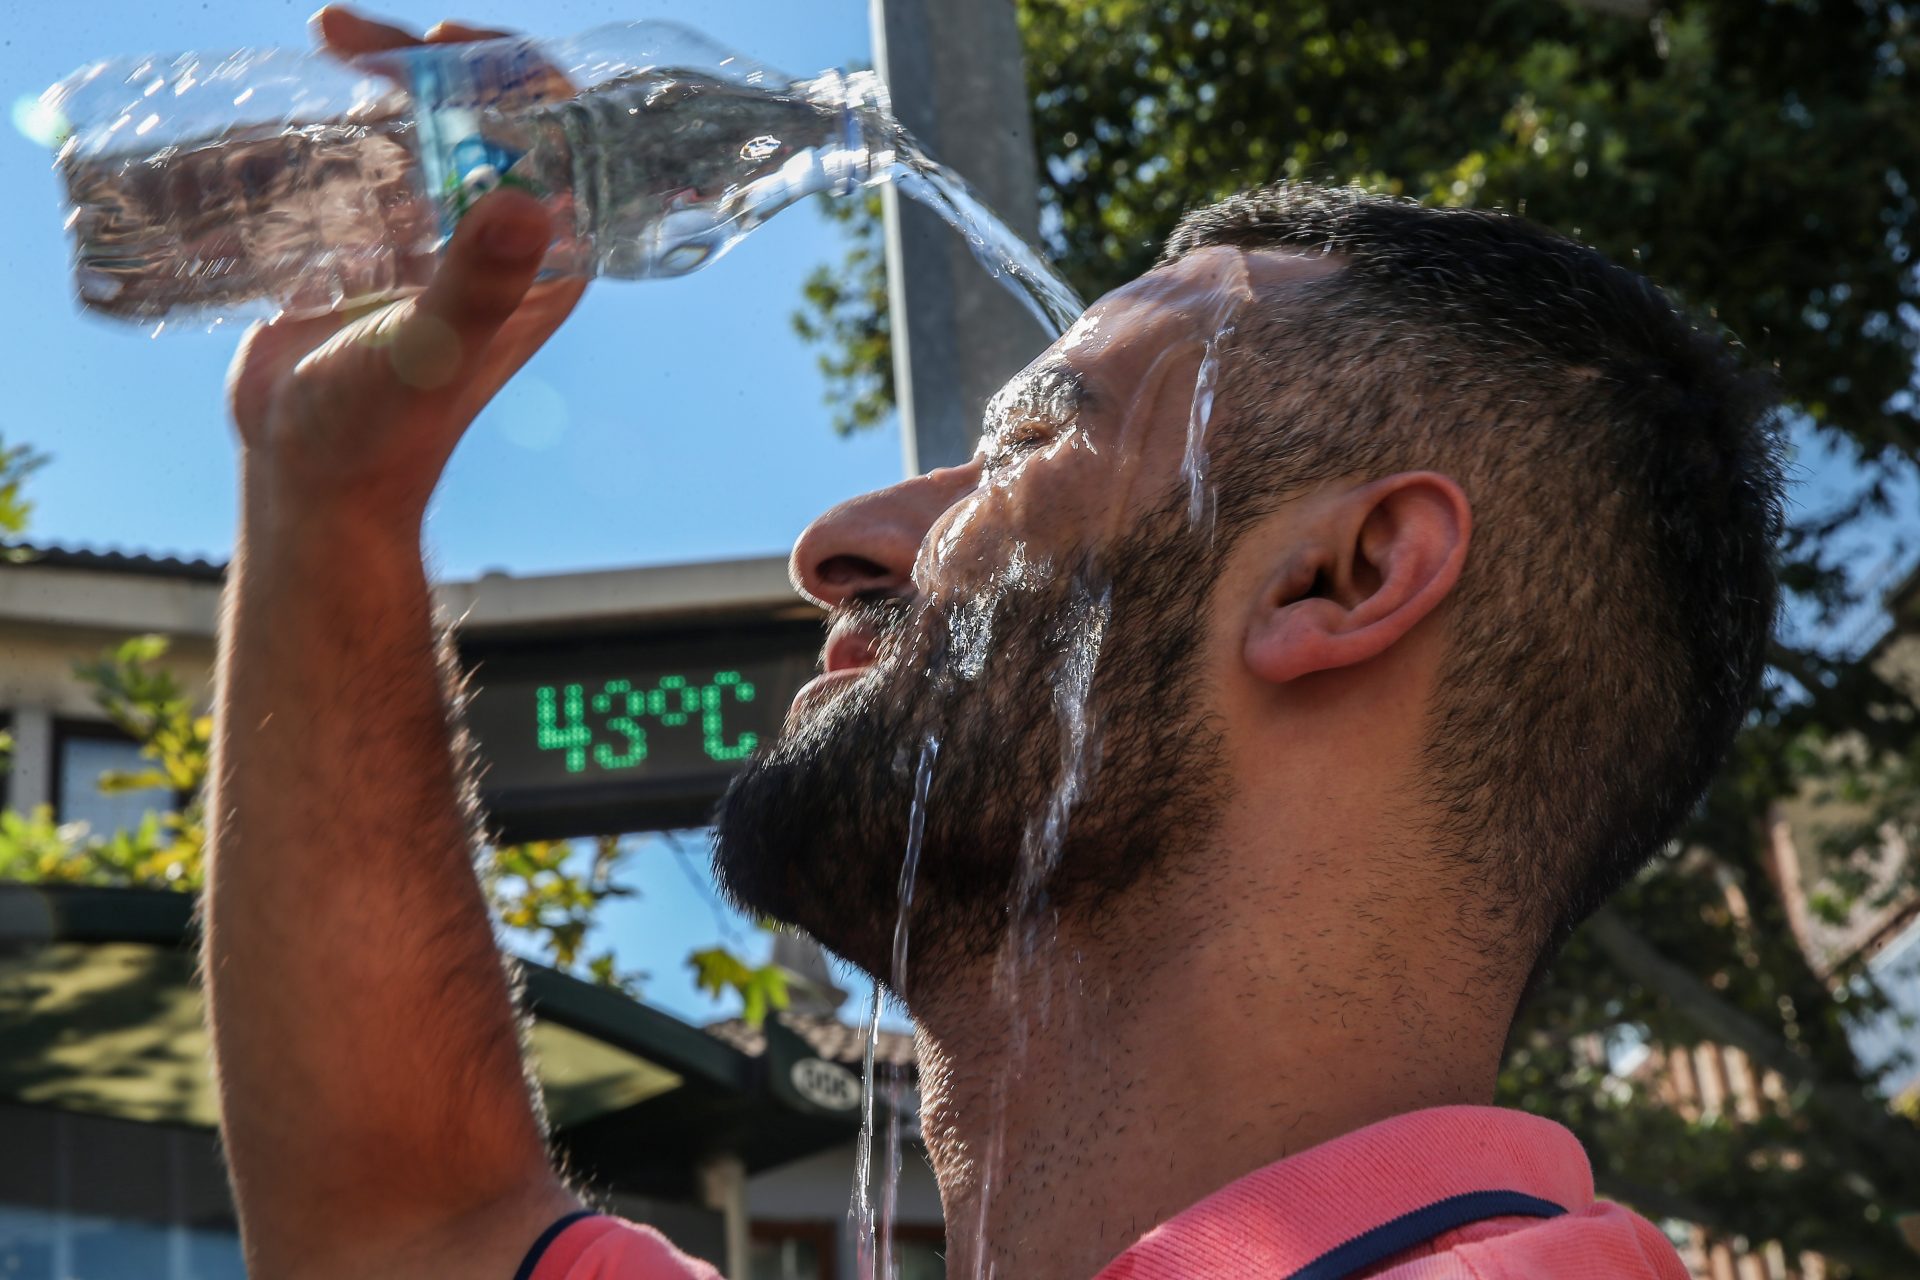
[
  {"x": 286, "y": 503},
  {"x": 303, "y": 536}
]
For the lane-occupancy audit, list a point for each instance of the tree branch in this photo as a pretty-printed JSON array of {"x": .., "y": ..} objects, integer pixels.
[
  {"x": 1655, "y": 1202},
  {"x": 1625, "y": 8},
  {"x": 1868, "y": 1124}
]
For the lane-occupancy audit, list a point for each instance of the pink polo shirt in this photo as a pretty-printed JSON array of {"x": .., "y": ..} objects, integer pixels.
[{"x": 1316, "y": 1211}]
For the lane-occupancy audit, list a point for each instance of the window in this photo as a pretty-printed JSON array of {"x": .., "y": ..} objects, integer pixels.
[
  {"x": 805, "y": 1251},
  {"x": 920, "y": 1253},
  {"x": 788, "y": 1258},
  {"x": 83, "y": 751},
  {"x": 791, "y": 1251},
  {"x": 39, "y": 1244},
  {"x": 90, "y": 1198}
]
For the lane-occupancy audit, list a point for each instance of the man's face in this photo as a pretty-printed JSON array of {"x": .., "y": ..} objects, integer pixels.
[{"x": 1029, "y": 629}]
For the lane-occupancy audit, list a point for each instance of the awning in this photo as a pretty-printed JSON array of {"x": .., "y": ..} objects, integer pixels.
[{"x": 100, "y": 1012}]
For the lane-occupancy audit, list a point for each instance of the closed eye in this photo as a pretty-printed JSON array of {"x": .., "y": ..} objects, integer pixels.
[{"x": 1016, "y": 440}]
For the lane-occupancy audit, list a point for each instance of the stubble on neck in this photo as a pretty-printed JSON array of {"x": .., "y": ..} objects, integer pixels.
[{"x": 1095, "y": 1078}]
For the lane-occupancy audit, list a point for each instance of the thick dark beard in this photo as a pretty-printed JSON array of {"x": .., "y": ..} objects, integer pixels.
[{"x": 813, "y": 831}]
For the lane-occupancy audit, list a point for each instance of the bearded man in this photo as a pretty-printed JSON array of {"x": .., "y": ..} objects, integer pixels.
[{"x": 1255, "y": 761}]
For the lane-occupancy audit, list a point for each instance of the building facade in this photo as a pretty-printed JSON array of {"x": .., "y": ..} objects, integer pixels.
[{"x": 738, "y": 1142}]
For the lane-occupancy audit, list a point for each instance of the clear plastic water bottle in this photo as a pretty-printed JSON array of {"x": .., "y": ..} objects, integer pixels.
[{"x": 275, "y": 181}]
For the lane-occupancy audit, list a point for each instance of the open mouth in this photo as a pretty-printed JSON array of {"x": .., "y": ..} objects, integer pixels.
[{"x": 850, "y": 649}]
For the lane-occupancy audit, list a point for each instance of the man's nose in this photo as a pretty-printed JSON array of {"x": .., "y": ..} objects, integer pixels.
[{"x": 868, "y": 544}]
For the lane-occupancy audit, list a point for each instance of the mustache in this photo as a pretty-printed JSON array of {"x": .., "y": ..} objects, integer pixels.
[{"x": 884, "y": 615}]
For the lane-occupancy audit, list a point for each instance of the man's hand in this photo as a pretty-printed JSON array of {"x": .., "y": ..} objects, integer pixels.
[
  {"x": 374, "y": 1108},
  {"x": 362, "y": 414}
]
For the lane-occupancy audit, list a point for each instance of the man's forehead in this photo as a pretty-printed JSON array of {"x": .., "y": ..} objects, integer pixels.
[
  {"x": 1187, "y": 300},
  {"x": 1205, "y": 277},
  {"x": 1191, "y": 296}
]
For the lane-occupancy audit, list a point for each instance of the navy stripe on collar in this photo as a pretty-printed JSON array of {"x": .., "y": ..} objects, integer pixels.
[
  {"x": 545, "y": 1242},
  {"x": 1419, "y": 1226}
]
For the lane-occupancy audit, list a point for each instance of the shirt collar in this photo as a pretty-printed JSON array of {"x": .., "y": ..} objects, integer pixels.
[{"x": 1277, "y": 1219}]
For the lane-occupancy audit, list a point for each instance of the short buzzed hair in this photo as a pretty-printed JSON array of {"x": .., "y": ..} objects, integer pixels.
[{"x": 1610, "y": 627}]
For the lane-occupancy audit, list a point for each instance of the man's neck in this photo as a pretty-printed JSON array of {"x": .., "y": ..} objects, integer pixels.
[{"x": 1085, "y": 1087}]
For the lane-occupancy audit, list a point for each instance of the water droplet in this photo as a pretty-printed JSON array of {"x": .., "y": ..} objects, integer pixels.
[{"x": 760, "y": 148}]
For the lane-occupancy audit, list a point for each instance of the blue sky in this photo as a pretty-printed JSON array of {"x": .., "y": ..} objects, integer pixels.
[
  {"x": 670, "y": 421},
  {"x": 626, "y": 441}
]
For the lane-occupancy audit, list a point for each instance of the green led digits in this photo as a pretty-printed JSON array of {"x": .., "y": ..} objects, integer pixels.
[
  {"x": 607, "y": 728},
  {"x": 574, "y": 738},
  {"x": 631, "y": 705},
  {"x": 686, "y": 695},
  {"x": 711, "y": 724}
]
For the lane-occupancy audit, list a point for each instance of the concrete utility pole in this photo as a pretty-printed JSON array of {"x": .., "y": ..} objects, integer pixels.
[{"x": 958, "y": 83}]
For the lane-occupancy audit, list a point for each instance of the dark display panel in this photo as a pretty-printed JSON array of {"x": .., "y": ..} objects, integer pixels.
[{"x": 616, "y": 735}]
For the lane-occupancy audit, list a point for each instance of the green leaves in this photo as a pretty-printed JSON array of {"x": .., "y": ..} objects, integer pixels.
[
  {"x": 17, "y": 462},
  {"x": 761, "y": 990},
  {"x": 1756, "y": 159},
  {"x": 550, "y": 893},
  {"x": 165, "y": 849},
  {"x": 34, "y": 848},
  {"x": 844, "y": 314},
  {"x": 146, "y": 701}
]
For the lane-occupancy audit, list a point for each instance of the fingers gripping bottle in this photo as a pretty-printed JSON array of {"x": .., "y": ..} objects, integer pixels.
[{"x": 276, "y": 182}]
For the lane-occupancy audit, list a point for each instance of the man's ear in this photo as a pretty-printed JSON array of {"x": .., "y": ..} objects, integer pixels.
[{"x": 1372, "y": 563}]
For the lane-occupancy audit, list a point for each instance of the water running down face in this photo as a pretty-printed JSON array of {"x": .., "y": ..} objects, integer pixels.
[{"x": 962, "y": 599}]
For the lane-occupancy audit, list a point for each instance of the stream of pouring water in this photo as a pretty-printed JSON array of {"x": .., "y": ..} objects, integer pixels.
[
  {"x": 1026, "y": 969},
  {"x": 1026, "y": 959},
  {"x": 1193, "y": 464},
  {"x": 896, "y": 1094},
  {"x": 1090, "y": 611},
  {"x": 1054, "y": 305},
  {"x": 1029, "y": 941},
  {"x": 873, "y": 1247},
  {"x": 1005, "y": 256},
  {"x": 1227, "y": 299},
  {"x": 861, "y": 1212}
]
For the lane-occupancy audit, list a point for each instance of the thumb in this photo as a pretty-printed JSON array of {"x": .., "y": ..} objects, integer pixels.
[{"x": 483, "y": 277}]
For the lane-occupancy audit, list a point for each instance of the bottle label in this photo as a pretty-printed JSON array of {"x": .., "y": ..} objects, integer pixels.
[{"x": 459, "y": 92}]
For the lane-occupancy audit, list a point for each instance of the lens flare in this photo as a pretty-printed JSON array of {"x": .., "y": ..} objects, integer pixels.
[
  {"x": 40, "y": 122},
  {"x": 531, "y": 413}
]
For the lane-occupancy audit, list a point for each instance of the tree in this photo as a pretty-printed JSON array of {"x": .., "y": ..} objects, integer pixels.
[
  {"x": 1754, "y": 156},
  {"x": 845, "y": 315},
  {"x": 17, "y": 463}
]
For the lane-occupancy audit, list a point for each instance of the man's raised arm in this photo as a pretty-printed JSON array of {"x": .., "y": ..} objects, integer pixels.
[{"x": 376, "y": 1116}]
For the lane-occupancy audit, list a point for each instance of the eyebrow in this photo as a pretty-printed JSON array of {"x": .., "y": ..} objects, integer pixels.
[{"x": 1056, "y": 392}]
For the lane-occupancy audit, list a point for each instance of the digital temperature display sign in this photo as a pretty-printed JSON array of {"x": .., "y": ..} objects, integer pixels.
[{"x": 585, "y": 739}]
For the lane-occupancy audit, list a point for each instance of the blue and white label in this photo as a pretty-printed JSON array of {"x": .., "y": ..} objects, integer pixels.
[{"x": 452, "y": 93}]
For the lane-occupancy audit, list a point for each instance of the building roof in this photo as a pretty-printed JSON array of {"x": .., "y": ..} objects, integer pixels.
[
  {"x": 827, "y": 1036},
  {"x": 137, "y": 563},
  {"x": 63, "y": 586}
]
